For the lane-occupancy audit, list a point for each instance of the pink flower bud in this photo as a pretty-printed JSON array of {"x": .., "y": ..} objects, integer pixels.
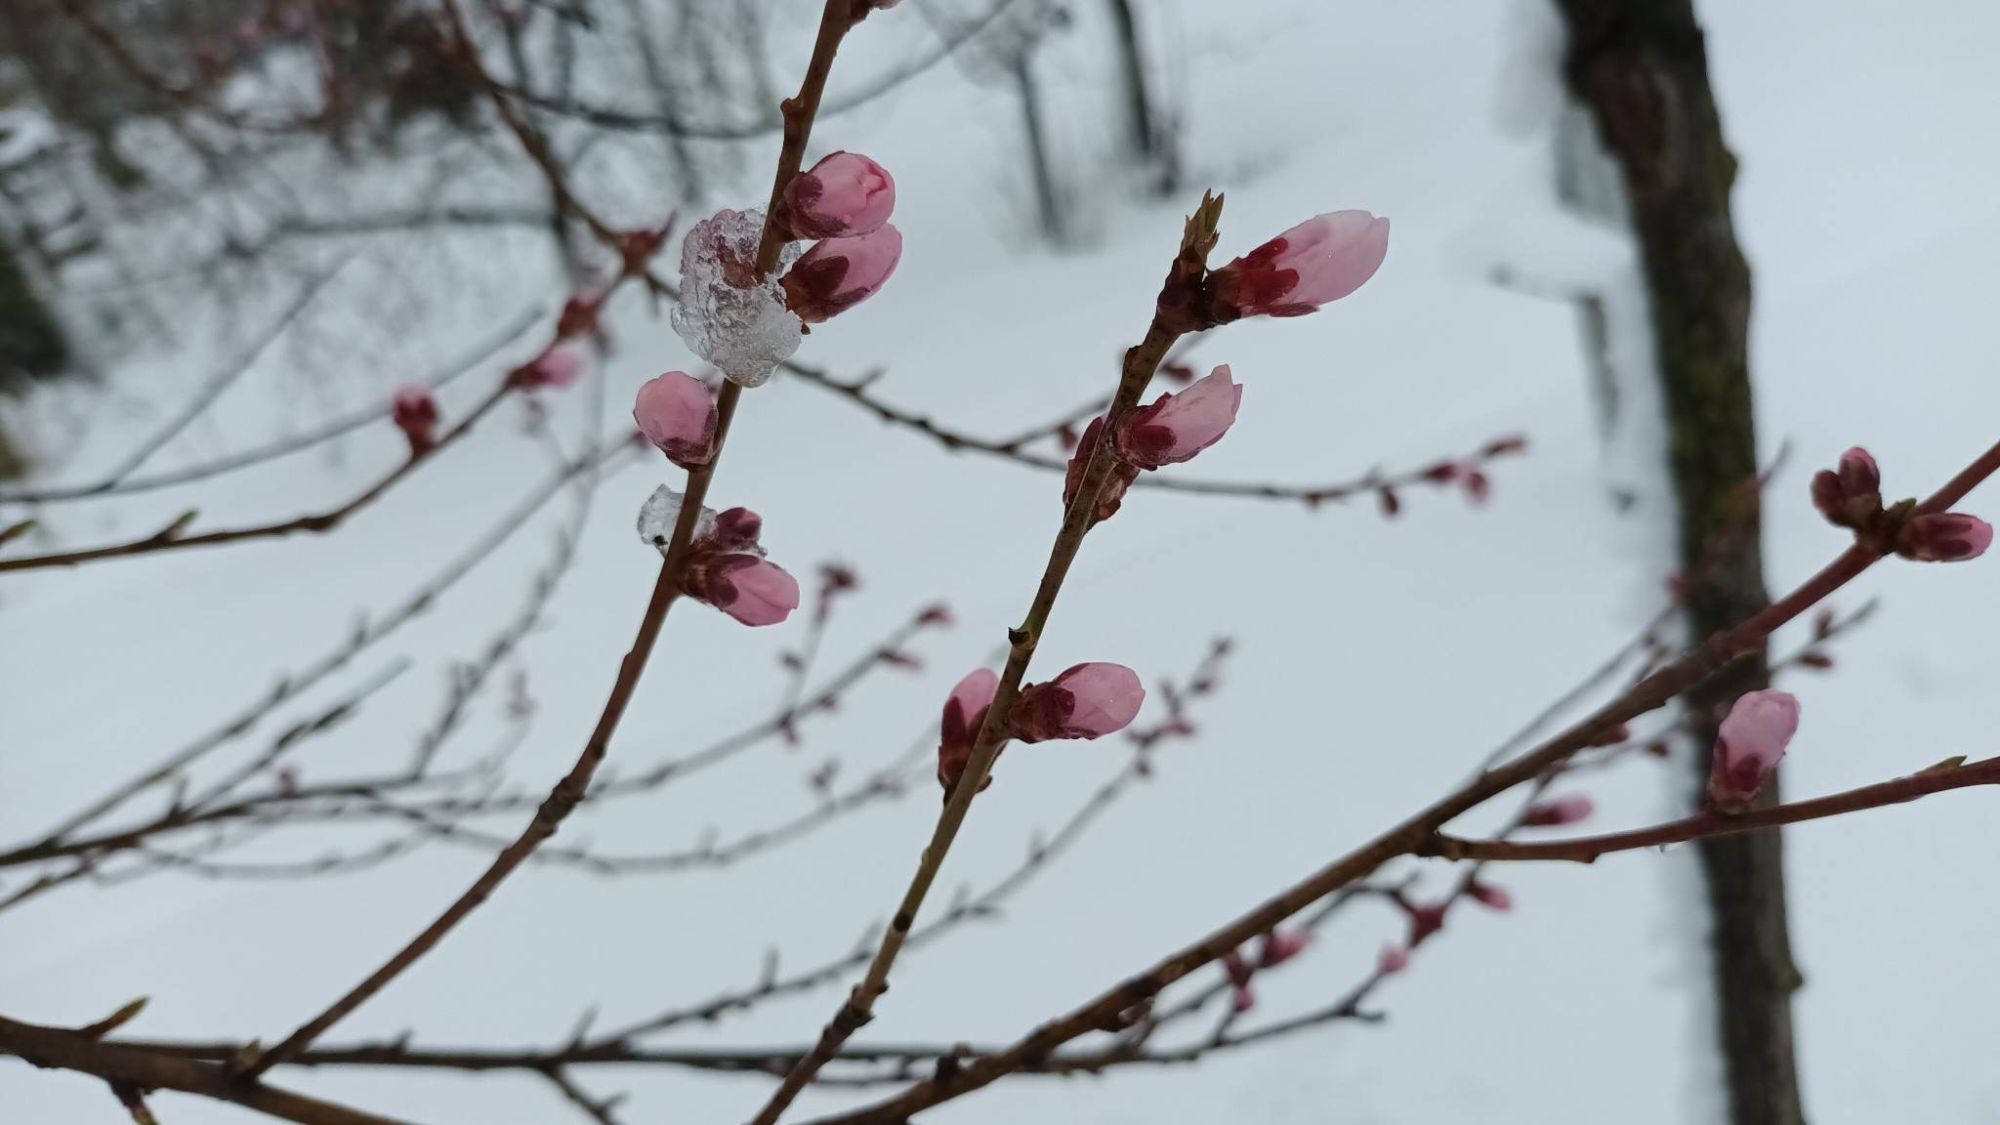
[
  {"x": 1087, "y": 701},
  {"x": 1317, "y": 262},
  {"x": 560, "y": 365},
  {"x": 1850, "y": 496},
  {"x": 1426, "y": 920},
  {"x": 1241, "y": 998},
  {"x": 964, "y": 713},
  {"x": 1944, "y": 537},
  {"x": 416, "y": 413},
  {"x": 844, "y": 194},
  {"x": 1490, "y": 896},
  {"x": 1394, "y": 959},
  {"x": 579, "y": 315},
  {"x": 676, "y": 412},
  {"x": 839, "y": 273},
  {"x": 1282, "y": 947},
  {"x": 1749, "y": 745},
  {"x": 737, "y": 530},
  {"x": 745, "y": 587},
  {"x": 1178, "y": 426},
  {"x": 1122, "y": 474},
  {"x": 1556, "y": 813},
  {"x": 1236, "y": 968}
]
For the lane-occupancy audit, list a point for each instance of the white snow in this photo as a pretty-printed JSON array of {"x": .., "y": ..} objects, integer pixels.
[{"x": 1378, "y": 661}]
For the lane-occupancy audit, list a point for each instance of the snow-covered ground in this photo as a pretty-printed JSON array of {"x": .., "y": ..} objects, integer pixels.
[{"x": 1377, "y": 661}]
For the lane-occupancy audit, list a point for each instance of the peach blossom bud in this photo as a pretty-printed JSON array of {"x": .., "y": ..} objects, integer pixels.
[
  {"x": 1177, "y": 426},
  {"x": 839, "y": 273},
  {"x": 844, "y": 194},
  {"x": 415, "y": 412},
  {"x": 676, "y": 412},
  {"x": 1944, "y": 537},
  {"x": 1749, "y": 745},
  {"x": 1086, "y": 701},
  {"x": 1317, "y": 262}
]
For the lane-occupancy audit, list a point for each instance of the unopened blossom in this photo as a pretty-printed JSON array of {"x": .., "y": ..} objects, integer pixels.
[
  {"x": 840, "y": 273},
  {"x": 1490, "y": 896},
  {"x": 559, "y": 365},
  {"x": 1122, "y": 475},
  {"x": 1850, "y": 495},
  {"x": 964, "y": 713},
  {"x": 1315, "y": 263},
  {"x": 844, "y": 194},
  {"x": 1177, "y": 426},
  {"x": 744, "y": 586},
  {"x": 724, "y": 564},
  {"x": 1556, "y": 813},
  {"x": 415, "y": 412},
  {"x": 1239, "y": 971},
  {"x": 1280, "y": 947},
  {"x": 1944, "y": 537},
  {"x": 737, "y": 529},
  {"x": 1085, "y": 701},
  {"x": 1394, "y": 959},
  {"x": 1749, "y": 745},
  {"x": 677, "y": 413},
  {"x": 1426, "y": 919}
]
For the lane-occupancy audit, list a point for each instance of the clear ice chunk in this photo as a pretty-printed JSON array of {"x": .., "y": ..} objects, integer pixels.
[
  {"x": 658, "y": 514},
  {"x": 725, "y": 314}
]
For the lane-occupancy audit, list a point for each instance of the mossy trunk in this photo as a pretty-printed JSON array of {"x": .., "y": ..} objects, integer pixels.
[{"x": 1641, "y": 68}]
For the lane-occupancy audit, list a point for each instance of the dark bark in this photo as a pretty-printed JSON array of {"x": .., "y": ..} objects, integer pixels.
[
  {"x": 1048, "y": 198},
  {"x": 1141, "y": 132},
  {"x": 1641, "y": 68}
]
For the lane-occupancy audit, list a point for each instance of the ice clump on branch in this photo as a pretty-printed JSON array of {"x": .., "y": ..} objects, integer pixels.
[
  {"x": 729, "y": 316},
  {"x": 658, "y": 514}
]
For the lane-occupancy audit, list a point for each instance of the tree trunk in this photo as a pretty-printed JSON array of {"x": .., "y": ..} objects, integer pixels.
[
  {"x": 1141, "y": 133},
  {"x": 1641, "y": 68},
  {"x": 1048, "y": 200}
]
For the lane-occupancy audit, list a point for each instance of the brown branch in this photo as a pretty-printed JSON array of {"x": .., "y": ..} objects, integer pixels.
[
  {"x": 574, "y": 786},
  {"x": 1708, "y": 825},
  {"x": 1109, "y": 1009},
  {"x": 172, "y": 538},
  {"x": 1374, "y": 482},
  {"x": 281, "y": 447},
  {"x": 1140, "y": 363},
  {"x": 140, "y": 1068}
]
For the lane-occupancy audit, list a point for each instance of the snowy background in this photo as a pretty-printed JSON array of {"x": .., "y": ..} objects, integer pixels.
[{"x": 1377, "y": 660}]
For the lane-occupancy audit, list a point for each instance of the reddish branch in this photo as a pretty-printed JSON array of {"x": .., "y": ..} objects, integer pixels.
[
  {"x": 173, "y": 537},
  {"x": 1141, "y": 361},
  {"x": 1947, "y": 775},
  {"x": 1110, "y": 1009},
  {"x": 1385, "y": 486},
  {"x": 141, "y": 1068},
  {"x": 574, "y": 786}
]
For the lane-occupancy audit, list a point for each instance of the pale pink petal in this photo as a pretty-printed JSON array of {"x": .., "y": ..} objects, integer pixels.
[
  {"x": 1394, "y": 959},
  {"x": 1321, "y": 260},
  {"x": 561, "y": 365},
  {"x": 1556, "y": 813},
  {"x": 1749, "y": 745},
  {"x": 1180, "y": 425},
  {"x": 752, "y": 590},
  {"x": 964, "y": 713},
  {"x": 677, "y": 413},
  {"x": 1944, "y": 537},
  {"x": 844, "y": 194},
  {"x": 1280, "y": 947},
  {"x": 1106, "y": 698},
  {"x": 1334, "y": 254},
  {"x": 839, "y": 273}
]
